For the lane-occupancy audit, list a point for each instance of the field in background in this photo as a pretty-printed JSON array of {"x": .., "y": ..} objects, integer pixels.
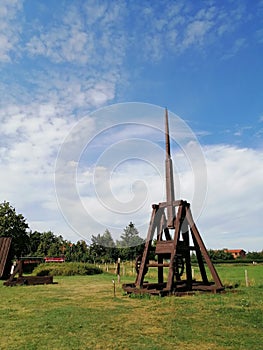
[
  {"x": 231, "y": 274},
  {"x": 81, "y": 312}
]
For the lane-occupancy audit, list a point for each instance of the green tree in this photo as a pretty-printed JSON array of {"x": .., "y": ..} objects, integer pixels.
[
  {"x": 45, "y": 244},
  {"x": 78, "y": 252},
  {"x": 55, "y": 248},
  {"x": 221, "y": 254},
  {"x": 254, "y": 255},
  {"x": 131, "y": 244},
  {"x": 50, "y": 244},
  {"x": 34, "y": 241},
  {"x": 14, "y": 225},
  {"x": 103, "y": 248}
]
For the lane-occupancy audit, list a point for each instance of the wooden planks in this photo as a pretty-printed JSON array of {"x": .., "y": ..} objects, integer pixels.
[
  {"x": 164, "y": 247},
  {"x": 29, "y": 280},
  {"x": 5, "y": 243}
]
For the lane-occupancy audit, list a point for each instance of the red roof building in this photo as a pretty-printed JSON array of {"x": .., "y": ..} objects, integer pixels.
[{"x": 237, "y": 253}]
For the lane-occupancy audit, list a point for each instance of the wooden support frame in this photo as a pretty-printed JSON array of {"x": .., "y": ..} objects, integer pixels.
[
  {"x": 172, "y": 251},
  {"x": 5, "y": 261},
  {"x": 26, "y": 280}
]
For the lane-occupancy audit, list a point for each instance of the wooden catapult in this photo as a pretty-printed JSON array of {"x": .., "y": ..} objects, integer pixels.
[
  {"x": 20, "y": 279},
  {"x": 173, "y": 252}
]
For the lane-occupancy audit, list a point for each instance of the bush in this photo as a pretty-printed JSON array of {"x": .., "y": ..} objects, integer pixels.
[{"x": 66, "y": 269}]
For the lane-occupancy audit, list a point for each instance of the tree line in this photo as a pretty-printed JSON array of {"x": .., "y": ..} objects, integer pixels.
[{"x": 102, "y": 249}]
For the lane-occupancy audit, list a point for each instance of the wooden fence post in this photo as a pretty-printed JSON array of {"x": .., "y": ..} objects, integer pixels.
[
  {"x": 119, "y": 269},
  {"x": 246, "y": 278}
]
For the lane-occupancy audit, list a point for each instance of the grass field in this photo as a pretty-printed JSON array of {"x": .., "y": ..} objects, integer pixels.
[{"x": 81, "y": 312}]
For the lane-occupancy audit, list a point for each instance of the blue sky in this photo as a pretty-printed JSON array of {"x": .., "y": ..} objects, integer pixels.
[{"x": 62, "y": 61}]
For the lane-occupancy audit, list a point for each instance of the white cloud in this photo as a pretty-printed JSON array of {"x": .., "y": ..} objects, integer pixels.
[
  {"x": 232, "y": 215},
  {"x": 181, "y": 26},
  {"x": 232, "y": 212},
  {"x": 62, "y": 44},
  {"x": 94, "y": 37},
  {"x": 9, "y": 27},
  {"x": 112, "y": 192},
  {"x": 238, "y": 45},
  {"x": 75, "y": 62},
  {"x": 30, "y": 141},
  {"x": 96, "y": 34},
  {"x": 195, "y": 33}
]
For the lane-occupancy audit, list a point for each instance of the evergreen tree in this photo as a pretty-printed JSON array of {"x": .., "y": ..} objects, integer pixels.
[
  {"x": 131, "y": 244},
  {"x": 103, "y": 248},
  {"x": 78, "y": 252}
]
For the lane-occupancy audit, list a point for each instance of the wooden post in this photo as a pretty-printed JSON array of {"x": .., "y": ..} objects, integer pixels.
[
  {"x": 198, "y": 240},
  {"x": 119, "y": 269},
  {"x": 154, "y": 219},
  {"x": 114, "y": 288},
  {"x": 246, "y": 278},
  {"x": 178, "y": 225}
]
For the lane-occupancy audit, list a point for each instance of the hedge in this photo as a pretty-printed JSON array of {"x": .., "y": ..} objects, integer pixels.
[{"x": 66, "y": 269}]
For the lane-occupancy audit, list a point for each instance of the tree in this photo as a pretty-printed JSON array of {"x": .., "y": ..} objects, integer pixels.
[
  {"x": 50, "y": 244},
  {"x": 34, "y": 241},
  {"x": 14, "y": 225},
  {"x": 254, "y": 255},
  {"x": 103, "y": 247},
  {"x": 221, "y": 254},
  {"x": 78, "y": 252},
  {"x": 131, "y": 244}
]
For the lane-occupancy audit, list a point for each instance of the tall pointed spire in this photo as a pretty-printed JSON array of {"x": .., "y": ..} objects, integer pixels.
[
  {"x": 173, "y": 251},
  {"x": 167, "y": 136},
  {"x": 169, "y": 176}
]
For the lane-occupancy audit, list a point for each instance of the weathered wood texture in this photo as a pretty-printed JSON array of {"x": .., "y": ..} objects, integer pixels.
[
  {"x": 26, "y": 280},
  {"x": 29, "y": 280},
  {"x": 5, "y": 244},
  {"x": 169, "y": 175},
  {"x": 173, "y": 251}
]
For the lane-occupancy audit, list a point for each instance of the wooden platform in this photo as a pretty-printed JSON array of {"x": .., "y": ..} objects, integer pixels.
[
  {"x": 29, "y": 281},
  {"x": 22, "y": 279},
  {"x": 162, "y": 290}
]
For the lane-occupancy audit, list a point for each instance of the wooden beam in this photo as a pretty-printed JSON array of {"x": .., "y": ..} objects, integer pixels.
[
  {"x": 178, "y": 224},
  {"x": 5, "y": 243},
  {"x": 186, "y": 252},
  {"x": 155, "y": 218},
  {"x": 203, "y": 249}
]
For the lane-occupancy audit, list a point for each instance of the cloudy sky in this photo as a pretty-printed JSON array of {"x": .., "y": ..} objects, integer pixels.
[{"x": 83, "y": 88}]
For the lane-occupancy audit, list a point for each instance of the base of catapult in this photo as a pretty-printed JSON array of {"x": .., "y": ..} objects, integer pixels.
[
  {"x": 180, "y": 290},
  {"x": 174, "y": 253},
  {"x": 29, "y": 281}
]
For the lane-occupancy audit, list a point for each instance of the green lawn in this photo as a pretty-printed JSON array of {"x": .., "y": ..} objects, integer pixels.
[{"x": 80, "y": 312}]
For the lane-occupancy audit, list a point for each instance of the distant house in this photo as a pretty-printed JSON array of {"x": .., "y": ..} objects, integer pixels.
[{"x": 237, "y": 253}]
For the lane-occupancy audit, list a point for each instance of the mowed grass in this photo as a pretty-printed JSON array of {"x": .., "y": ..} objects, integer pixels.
[{"x": 81, "y": 312}]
